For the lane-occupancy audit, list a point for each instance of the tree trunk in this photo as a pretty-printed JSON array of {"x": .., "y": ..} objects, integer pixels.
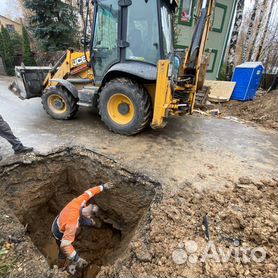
[
  {"x": 265, "y": 31},
  {"x": 274, "y": 84},
  {"x": 263, "y": 8},
  {"x": 234, "y": 39},
  {"x": 249, "y": 32}
]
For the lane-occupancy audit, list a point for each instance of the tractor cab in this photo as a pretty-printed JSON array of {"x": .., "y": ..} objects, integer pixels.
[{"x": 131, "y": 36}]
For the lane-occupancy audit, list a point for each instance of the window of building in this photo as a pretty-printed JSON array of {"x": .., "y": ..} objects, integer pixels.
[
  {"x": 10, "y": 28},
  {"x": 219, "y": 17},
  {"x": 186, "y": 11}
]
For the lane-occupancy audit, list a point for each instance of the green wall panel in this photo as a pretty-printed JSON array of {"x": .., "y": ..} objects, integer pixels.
[{"x": 218, "y": 37}]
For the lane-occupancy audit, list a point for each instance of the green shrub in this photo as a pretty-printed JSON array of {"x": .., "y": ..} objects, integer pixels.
[
  {"x": 17, "y": 42},
  {"x": 28, "y": 58},
  {"x": 223, "y": 73},
  {"x": 7, "y": 51}
]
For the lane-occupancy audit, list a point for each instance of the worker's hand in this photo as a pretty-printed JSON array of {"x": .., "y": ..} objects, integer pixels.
[
  {"x": 107, "y": 186},
  {"x": 96, "y": 223},
  {"x": 81, "y": 263}
]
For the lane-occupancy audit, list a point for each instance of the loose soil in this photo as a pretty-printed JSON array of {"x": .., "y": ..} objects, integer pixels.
[
  {"x": 146, "y": 230},
  {"x": 262, "y": 110},
  {"x": 245, "y": 214}
]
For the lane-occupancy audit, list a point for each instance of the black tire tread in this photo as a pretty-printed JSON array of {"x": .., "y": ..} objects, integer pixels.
[
  {"x": 142, "y": 97},
  {"x": 73, "y": 107}
]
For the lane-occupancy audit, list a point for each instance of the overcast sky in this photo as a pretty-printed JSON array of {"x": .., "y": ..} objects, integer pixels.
[{"x": 11, "y": 8}]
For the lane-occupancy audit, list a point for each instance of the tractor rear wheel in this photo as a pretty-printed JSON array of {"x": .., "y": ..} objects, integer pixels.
[
  {"x": 59, "y": 103},
  {"x": 124, "y": 106}
]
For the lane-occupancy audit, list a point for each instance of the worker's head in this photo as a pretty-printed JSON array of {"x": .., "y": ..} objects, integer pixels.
[{"x": 90, "y": 211}]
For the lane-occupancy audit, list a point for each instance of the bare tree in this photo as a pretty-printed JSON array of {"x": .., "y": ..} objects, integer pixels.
[
  {"x": 249, "y": 32},
  {"x": 234, "y": 38},
  {"x": 256, "y": 37},
  {"x": 269, "y": 53},
  {"x": 259, "y": 25},
  {"x": 265, "y": 31},
  {"x": 274, "y": 84}
]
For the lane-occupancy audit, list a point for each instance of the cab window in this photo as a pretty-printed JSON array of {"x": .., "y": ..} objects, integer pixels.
[
  {"x": 142, "y": 32},
  {"x": 105, "y": 44}
]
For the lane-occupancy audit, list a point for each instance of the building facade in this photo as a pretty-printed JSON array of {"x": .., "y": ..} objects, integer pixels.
[
  {"x": 218, "y": 37},
  {"x": 11, "y": 25}
]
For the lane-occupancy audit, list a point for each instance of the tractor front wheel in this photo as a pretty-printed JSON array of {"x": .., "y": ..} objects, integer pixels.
[
  {"x": 124, "y": 106},
  {"x": 59, "y": 103}
]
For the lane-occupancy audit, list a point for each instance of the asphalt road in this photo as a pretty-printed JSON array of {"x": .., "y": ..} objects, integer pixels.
[{"x": 204, "y": 151}]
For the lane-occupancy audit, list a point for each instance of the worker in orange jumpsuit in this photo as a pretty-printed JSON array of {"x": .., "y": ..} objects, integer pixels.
[{"x": 74, "y": 214}]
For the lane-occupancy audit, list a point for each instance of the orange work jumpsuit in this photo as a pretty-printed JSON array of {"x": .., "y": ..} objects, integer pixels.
[{"x": 65, "y": 225}]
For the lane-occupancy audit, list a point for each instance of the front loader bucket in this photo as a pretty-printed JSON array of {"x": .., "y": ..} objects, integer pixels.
[
  {"x": 29, "y": 81},
  {"x": 14, "y": 87}
]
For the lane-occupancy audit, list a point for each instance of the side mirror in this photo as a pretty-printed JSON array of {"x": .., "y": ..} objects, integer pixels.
[
  {"x": 83, "y": 42},
  {"x": 177, "y": 63}
]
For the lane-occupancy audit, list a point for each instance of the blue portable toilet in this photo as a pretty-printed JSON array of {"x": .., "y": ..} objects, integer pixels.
[{"x": 248, "y": 78}]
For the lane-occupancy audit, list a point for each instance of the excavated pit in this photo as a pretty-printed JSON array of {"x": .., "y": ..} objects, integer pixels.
[{"x": 38, "y": 190}]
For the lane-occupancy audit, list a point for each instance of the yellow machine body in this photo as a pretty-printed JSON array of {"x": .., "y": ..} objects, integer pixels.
[
  {"x": 76, "y": 84},
  {"x": 74, "y": 64},
  {"x": 165, "y": 103}
]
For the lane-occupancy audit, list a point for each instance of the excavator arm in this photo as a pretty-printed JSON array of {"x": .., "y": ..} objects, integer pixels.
[
  {"x": 72, "y": 67},
  {"x": 195, "y": 52},
  {"x": 177, "y": 96}
]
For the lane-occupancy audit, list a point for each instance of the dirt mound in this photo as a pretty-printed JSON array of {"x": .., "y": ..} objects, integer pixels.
[
  {"x": 262, "y": 110},
  {"x": 242, "y": 226}
]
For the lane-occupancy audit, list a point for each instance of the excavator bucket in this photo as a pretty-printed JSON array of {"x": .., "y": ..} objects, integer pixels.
[{"x": 29, "y": 81}]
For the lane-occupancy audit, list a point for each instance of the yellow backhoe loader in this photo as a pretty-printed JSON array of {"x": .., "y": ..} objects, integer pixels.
[{"x": 128, "y": 69}]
